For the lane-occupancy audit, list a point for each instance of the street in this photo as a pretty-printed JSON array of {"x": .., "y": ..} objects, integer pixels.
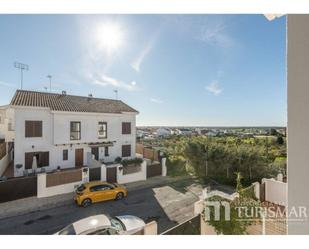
[{"x": 168, "y": 205}]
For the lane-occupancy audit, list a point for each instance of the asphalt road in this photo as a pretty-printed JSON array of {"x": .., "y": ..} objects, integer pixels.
[{"x": 141, "y": 203}]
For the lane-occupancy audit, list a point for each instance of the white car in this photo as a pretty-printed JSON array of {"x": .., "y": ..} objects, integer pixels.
[{"x": 104, "y": 225}]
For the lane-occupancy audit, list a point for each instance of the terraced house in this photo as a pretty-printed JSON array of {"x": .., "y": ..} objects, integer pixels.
[{"x": 49, "y": 131}]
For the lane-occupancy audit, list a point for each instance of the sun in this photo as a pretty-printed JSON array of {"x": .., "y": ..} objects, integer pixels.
[{"x": 109, "y": 36}]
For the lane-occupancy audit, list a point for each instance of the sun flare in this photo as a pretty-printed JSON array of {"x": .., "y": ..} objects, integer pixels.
[{"x": 109, "y": 36}]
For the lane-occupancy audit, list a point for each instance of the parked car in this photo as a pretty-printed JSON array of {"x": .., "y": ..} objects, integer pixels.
[
  {"x": 98, "y": 191},
  {"x": 104, "y": 225}
]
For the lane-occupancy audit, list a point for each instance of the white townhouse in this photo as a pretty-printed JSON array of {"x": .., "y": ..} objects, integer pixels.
[{"x": 58, "y": 130}]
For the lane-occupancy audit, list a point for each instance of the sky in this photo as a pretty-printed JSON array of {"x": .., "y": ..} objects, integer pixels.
[{"x": 176, "y": 70}]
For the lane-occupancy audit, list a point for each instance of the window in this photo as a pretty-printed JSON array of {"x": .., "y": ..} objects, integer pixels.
[
  {"x": 102, "y": 132},
  {"x": 100, "y": 188},
  {"x": 65, "y": 155},
  {"x": 126, "y": 128},
  {"x": 106, "y": 151},
  {"x": 126, "y": 150},
  {"x": 75, "y": 130},
  {"x": 42, "y": 159},
  {"x": 33, "y": 128},
  {"x": 103, "y": 231},
  {"x": 69, "y": 230}
]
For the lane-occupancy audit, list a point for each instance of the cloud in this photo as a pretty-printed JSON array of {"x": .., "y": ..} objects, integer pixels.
[
  {"x": 213, "y": 88},
  {"x": 208, "y": 29},
  {"x": 137, "y": 62},
  {"x": 214, "y": 35},
  {"x": 105, "y": 80},
  {"x": 158, "y": 101}
]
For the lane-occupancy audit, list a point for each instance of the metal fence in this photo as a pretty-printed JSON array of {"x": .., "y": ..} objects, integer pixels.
[{"x": 17, "y": 188}]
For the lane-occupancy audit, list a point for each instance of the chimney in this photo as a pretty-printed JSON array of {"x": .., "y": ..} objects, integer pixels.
[{"x": 64, "y": 93}]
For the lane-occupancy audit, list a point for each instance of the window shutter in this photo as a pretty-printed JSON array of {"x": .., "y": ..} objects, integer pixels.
[
  {"x": 123, "y": 128},
  {"x": 28, "y": 160},
  {"x": 45, "y": 159},
  {"x": 129, "y": 128},
  {"x": 126, "y": 128},
  {"x": 126, "y": 150},
  {"x": 28, "y": 129},
  {"x": 33, "y": 128},
  {"x": 38, "y": 128},
  {"x": 65, "y": 155}
]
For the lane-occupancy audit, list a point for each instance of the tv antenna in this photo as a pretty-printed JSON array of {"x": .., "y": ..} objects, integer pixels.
[
  {"x": 50, "y": 80},
  {"x": 21, "y": 67},
  {"x": 116, "y": 94}
]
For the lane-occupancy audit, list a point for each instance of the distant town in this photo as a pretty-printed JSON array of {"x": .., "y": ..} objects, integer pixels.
[{"x": 152, "y": 132}]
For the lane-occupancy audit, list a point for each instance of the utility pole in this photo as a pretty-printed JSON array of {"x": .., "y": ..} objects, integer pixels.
[
  {"x": 116, "y": 94},
  {"x": 206, "y": 154},
  {"x": 50, "y": 79},
  {"x": 21, "y": 67}
]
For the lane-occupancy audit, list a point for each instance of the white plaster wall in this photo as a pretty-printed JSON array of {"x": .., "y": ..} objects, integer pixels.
[
  {"x": 276, "y": 192},
  {"x": 103, "y": 172},
  {"x": 138, "y": 176},
  {"x": 89, "y": 131},
  {"x": 23, "y": 144},
  {"x": 164, "y": 169},
  {"x": 43, "y": 191},
  {"x": 7, "y": 116},
  {"x": 4, "y": 162}
]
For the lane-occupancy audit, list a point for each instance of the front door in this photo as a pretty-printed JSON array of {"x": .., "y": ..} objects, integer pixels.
[
  {"x": 79, "y": 157},
  {"x": 95, "y": 152}
]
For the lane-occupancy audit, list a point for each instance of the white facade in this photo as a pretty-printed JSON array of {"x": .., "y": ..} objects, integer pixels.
[
  {"x": 7, "y": 123},
  {"x": 184, "y": 132},
  {"x": 56, "y": 135},
  {"x": 163, "y": 132}
]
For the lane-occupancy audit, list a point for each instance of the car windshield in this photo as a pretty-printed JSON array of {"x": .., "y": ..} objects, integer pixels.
[
  {"x": 69, "y": 230},
  {"x": 81, "y": 188},
  {"x": 117, "y": 224}
]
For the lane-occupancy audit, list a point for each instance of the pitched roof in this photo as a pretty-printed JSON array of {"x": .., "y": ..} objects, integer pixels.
[{"x": 69, "y": 103}]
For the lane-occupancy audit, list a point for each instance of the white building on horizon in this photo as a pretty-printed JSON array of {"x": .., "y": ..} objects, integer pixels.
[{"x": 163, "y": 132}]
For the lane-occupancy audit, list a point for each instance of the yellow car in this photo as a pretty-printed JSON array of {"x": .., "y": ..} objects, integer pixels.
[{"x": 98, "y": 191}]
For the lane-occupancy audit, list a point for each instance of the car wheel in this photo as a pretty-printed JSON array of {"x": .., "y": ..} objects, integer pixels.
[
  {"x": 86, "y": 202},
  {"x": 119, "y": 196}
]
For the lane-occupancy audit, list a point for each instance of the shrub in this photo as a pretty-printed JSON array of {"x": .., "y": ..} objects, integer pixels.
[{"x": 127, "y": 162}]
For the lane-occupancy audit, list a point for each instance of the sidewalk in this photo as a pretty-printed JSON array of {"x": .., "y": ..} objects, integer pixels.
[{"x": 34, "y": 204}]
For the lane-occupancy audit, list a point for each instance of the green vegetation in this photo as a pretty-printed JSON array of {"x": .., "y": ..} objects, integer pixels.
[
  {"x": 236, "y": 225},
  {"x": 219, "y": 158},
  {"x": 135, "y": 161}
]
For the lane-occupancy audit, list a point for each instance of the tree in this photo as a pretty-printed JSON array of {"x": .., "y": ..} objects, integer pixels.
[
  {"x": 273, "y": 132},
  {"x": 238, "y": 182},
  {"x": 280, "y": 140}
]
